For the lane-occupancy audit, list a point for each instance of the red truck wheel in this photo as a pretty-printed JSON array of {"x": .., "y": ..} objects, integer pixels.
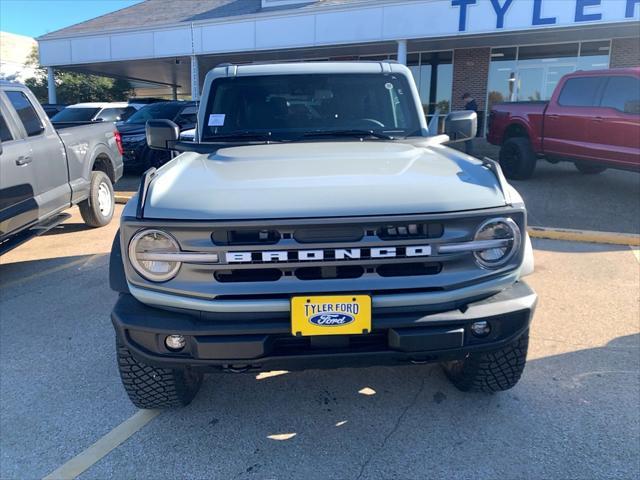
[{"x": 517, "y": 159}]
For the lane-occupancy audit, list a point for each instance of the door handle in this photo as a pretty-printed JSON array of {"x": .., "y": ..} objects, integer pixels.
[
  {"x": 598, "y": 119},
  {"x": 553, "y": 116},
  {"x": 23, "y": 160}
]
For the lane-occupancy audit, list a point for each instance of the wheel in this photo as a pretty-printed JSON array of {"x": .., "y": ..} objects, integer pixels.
[
  {"x": 97, "y": 210},
  {"x": 589, "y": 169},
  {"x": 153, "y": 387},
  {"x": 517, "y": 159},
  {"x": 492, "y": 371}
]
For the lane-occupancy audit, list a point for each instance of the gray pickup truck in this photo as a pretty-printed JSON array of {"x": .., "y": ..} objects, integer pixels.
[
  {"x": 315, "y": 222},
  {"x": 45, "y": 170}
]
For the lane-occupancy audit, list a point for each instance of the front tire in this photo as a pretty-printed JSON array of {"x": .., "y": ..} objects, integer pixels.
[
  {"x": 97, "y": 210},
  {"x": 154, "y": 387},
  {"x": 492, "y": 371},
  {"x": 517, "y": 159},
  {"x": 589, "y": 169}
]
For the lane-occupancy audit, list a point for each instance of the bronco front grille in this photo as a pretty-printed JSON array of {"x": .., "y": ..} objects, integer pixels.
[{"x": 281, "y": 258}]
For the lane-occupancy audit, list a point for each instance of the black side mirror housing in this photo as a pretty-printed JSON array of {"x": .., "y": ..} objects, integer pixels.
[
  {"x": 460, "y": 126},
  {"x": 161, "y": 134}
]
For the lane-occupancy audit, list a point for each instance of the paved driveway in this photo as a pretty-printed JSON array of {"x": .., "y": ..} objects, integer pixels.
[{"x": 573, "y": 415}]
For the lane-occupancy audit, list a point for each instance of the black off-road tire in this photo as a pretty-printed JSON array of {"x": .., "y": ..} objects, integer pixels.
[
  {"x": 92, "y": 210},
  {"x": 517, "y": 159},
  {"x": 153, "y": 387},
  {"x": 589, "y": 168},
  {"x": 492, "y": 371}
]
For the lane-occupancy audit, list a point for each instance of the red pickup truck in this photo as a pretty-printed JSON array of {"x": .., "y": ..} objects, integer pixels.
[{"x": 592, "y": 119}]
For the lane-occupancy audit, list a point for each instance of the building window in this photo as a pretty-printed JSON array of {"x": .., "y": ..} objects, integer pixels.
[
  {"x": 433, "y": 74},
  {"x": 531, "y": 73}
]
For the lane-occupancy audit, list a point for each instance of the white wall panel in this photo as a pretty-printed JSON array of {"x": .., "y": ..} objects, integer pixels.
[
  {"x": 229, "y": 37},
  {"x": 172, "y": 42},
  {"x": 349, "y": 26},
  {"x": 132, "y": 45},
  {"x": 90, "y": 49},
  {"x": 55, "y": 52},
  {"x": 284, "y": 32}
]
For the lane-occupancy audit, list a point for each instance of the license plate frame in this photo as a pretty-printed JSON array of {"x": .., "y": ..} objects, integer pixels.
[{"x": 330, "y": 315}]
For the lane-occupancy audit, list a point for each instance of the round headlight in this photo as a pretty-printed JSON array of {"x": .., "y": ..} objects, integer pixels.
[
  {"x": 146, "y": 251},
  {"x": 506, "y": 233}
]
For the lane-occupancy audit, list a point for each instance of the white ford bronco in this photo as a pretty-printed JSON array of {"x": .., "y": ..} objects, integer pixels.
[{"x": 315, "y": 222}]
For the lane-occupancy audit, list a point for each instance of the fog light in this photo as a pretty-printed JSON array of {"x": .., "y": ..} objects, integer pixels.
[
  {"x": 175, "y": 342},
  {"x": 481, "y": 329}
]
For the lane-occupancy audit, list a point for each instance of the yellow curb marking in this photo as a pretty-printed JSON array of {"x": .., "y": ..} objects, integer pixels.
[
  {"x": 124, "y": 198},
  {"x": 102, "y": 447},
  {"x": 589, "y": 236}
]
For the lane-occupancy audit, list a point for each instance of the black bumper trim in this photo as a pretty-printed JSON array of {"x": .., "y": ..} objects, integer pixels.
[{"x": 268, "y": 344}]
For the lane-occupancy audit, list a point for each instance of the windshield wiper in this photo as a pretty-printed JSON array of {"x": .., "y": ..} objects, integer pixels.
[
  {"x": 348, "y": 133},
  {"x": 242, "y": 134}
]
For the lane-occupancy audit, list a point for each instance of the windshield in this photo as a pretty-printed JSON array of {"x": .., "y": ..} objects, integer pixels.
[
  {"x": 75, "y": 114},
  {"x": 294, "y": 106},
  {"x": 155, "y": 111}
]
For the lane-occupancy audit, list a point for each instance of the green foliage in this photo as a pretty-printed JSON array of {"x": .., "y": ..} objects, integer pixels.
[{"x": 72, "y": 87}]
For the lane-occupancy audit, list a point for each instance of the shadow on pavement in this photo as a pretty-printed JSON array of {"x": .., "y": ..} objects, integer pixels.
[
  {"x": 573, "y": 415},
  {"x": 566, "y": 246}
]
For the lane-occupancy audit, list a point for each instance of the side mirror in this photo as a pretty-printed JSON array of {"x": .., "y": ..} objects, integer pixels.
[
  {"x": 461, "y": 125},
  {"x": 161, "y": 134}
]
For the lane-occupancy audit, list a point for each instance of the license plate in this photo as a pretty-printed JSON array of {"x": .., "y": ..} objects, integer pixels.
[{"x": 331, "y": 315}]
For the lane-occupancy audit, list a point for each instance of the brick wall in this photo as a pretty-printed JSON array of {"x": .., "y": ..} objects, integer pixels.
[
  {"x": 625, "y": 52},
  {"x": 470, "y": 74}
]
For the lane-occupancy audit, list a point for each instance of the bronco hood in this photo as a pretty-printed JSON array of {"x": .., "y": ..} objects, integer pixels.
[{"x": 320, "y": 179}]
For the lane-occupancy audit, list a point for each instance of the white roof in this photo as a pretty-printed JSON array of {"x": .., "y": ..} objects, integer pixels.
[{"x": 100, "y": 105}]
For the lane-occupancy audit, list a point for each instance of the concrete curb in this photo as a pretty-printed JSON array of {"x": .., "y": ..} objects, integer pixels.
[
  {"x": 123, "y": 197},
  {"x": 588, "y": 236}
]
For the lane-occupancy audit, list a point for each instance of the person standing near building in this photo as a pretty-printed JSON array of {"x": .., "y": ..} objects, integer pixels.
[{"x": 469, "y": 104}]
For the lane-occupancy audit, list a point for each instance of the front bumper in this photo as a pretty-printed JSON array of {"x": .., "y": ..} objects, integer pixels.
[{"x": 267, "y": 344}]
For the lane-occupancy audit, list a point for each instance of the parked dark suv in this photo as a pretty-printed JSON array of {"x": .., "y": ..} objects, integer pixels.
[{"x": 137, "y": 155}]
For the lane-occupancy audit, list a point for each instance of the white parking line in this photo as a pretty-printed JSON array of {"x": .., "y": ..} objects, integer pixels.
[
  {"x": 636, "y": 253},
  {"x": 102, "y": 447}
]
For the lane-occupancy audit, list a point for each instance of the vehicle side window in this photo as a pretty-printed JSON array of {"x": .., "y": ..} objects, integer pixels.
[
  {"x": 111, "y": 114},
  {"x": 580, "y": 92},
  {"x": 188, "y": 115},
  {"x": 28, "y": 115},
  {"x": 623, "y": 94},
  {"x": 5, "y": 133},
  {"x": 127, "y": 112}
]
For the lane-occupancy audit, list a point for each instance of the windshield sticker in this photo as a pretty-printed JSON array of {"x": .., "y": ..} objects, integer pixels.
[{"x": 216, "y": 119}]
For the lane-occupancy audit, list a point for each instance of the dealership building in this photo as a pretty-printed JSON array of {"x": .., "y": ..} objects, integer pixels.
[{"x": 497, "y": 50}]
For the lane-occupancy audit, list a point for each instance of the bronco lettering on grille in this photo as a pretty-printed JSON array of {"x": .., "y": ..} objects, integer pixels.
[{"x": 281, "y": 256}]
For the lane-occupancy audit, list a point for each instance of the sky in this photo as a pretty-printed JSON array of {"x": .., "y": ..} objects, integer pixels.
[{"x": 37, "y": 17}]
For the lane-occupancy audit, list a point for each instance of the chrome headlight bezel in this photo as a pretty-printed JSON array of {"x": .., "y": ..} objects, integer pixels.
[
  {"x": 513, "y": 248},
  {"x": 136, "y": 261}
]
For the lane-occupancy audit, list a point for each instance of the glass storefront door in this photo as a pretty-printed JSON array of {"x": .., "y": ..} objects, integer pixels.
[{"x": 433, "y": 74}]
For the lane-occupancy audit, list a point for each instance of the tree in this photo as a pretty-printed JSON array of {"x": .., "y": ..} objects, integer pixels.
[{"x": 72, "y": 87}]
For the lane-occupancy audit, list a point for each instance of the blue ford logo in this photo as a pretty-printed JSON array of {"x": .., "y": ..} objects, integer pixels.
[{"x": 331, "y": 319}]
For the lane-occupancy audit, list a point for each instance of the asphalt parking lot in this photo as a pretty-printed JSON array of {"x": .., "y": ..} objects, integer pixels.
[{"x": 573, "y": 415}]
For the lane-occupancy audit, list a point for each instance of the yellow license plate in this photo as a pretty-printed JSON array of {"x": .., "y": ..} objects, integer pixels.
[{"x": 331, "y": 315}]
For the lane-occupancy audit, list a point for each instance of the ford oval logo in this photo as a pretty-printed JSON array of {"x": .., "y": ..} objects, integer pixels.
[{"x": 331, "y": 319}]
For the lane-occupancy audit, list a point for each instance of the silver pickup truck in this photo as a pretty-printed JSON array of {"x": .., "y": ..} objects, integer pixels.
[
  {"x": 45, "y": 170},
  {"x": 315, "y": 222}
]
